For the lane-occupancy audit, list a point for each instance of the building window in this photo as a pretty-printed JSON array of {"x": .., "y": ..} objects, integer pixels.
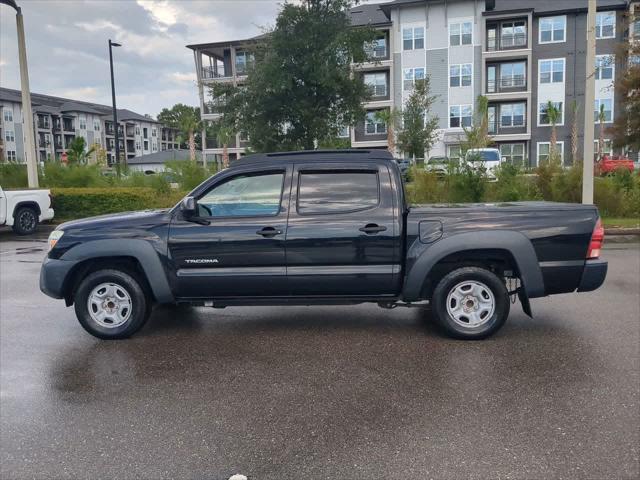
[
  {"x": 454, "y": 153},
  {"x": 373, "y": 125},
  {"x": 543, "y": 119},
  {"x": 9, "y": 136},
  {"x": 552, "y": 70},
  {"x": 96, "y": 124},
  {"x": 154, "y": 146},
  {"x": 244, "y": 61},
  {"x": 513, "y": 34},
  {"x": 8, "y": 116},
  {"x": 460, "y": 116},
  {"x": 605, "y": 24},
  {"x": 146, "y": 145},
  {"x": 343, "y": 132},
  {"x": 413, "y": 38},
  {"x": 11, "y": 155},
  {"x": 607, "y": 106},
  {"x": 460, "y": 75},
  {"x": 460, "y": 34},
  {"x": 512, "y": 75},
  {"x": 137, "y": 129},
  {"x": 604, "y": 67},
  {"x": 544, "y": 150},
  {"x": 513, "y": 153},
  {"x": 377, "y": 82},
  {"x": 553, "y": 29},
  {"x": 153, "y": 132},
  {"x": 137, "y": 145},
  {"x": 607, "y": 148},
  {"x": 376, "y": 48},
  {"x": 82, "y": 120},
  {"x": 512, "y": 114},
  {"x": 410, "y": 77}
]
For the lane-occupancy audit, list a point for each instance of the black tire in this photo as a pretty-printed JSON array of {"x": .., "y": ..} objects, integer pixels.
[
  {"x": 25, "y": 221},
  {"x": 140, "y": 304},
  {"x": 462, "y": 278}
]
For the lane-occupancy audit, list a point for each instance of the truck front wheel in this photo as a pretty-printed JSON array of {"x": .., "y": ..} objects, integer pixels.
[
  {"x": 111, "y": 304},
  {"x": 471, "y": 303}
]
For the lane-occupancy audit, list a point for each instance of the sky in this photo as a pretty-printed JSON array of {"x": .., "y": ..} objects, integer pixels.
[{"x": 67, "y": 46}]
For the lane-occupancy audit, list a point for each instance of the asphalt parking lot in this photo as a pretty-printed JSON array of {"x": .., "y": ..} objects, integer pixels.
[{"x": 320, "y": 392}]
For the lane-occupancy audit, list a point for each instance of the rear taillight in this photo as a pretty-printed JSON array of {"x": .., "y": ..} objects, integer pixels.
[{"x": 597, "y": 239}]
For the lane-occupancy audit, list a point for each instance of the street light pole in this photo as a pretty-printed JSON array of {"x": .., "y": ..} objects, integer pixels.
[
  {"x": 27, "y": 114},
  {"x": 113, "y": 101},
  {"x": 589, "y": 105}
]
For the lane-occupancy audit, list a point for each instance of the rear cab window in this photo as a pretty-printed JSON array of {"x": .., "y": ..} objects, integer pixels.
[{"x": 327, "y": 192}]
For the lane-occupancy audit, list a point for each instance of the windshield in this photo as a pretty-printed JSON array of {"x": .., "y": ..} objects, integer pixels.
[{"x": 485, "y": 156}]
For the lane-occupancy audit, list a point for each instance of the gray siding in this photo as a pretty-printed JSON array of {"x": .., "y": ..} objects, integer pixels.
[
  {"x": 397, "y": 80},
  {"x": 438, "y": 71}
]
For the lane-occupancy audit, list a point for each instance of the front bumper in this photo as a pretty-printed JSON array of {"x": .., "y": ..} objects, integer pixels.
[
  {"x": 53, "y": 275},
  {"x": 593, "y": 275}
]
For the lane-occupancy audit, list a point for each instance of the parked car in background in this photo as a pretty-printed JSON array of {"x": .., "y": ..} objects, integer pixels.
[
  {"x": 318, "y": 228},
  {"x": 23, "y": 210},
  {"x": 404, "y": 164},
  {"x": 610, "y": 163},
  {"x": 487, "y": 158},
  {"x": 439, "y": 165}
]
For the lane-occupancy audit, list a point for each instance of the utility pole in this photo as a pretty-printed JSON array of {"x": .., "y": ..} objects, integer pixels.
[
  {"x": 115, "y": 111},
  {"x": 27, "y": 113},
  {"x": 589, "y": 105}
]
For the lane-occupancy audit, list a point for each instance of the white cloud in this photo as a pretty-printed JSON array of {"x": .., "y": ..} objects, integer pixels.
[
  {"x": 162, "y": 11},
  {"x": 183, "y": 77}
]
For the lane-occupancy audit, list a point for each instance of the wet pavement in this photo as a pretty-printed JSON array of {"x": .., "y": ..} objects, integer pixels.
[{"x": 320, "y": 392}]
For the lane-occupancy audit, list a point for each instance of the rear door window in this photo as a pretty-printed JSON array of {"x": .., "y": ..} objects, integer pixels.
[{"x": 326, "y": 192}]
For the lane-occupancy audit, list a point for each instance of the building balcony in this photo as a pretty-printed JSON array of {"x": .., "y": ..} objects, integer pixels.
[
  {"x": 516, "y": 83},
  {"x": 68, "y": 126},
  {"x": 216, "y": 73}
]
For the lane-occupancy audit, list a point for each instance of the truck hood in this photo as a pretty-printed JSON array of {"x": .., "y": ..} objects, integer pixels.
[{"x": 140, "y": 220}]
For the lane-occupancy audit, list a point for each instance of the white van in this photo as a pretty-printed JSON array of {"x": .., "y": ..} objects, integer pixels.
[{"x": 489, "y": 158}]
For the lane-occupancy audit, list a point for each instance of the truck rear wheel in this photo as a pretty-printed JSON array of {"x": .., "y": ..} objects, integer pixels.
[
  {"x": 471, "y": 303},
  {"x": 111, "y": 304},
  {"x": 25, "y": 221}
]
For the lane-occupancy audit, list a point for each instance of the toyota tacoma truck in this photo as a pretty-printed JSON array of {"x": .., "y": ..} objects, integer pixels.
[
  {"x": 322, "y": 227},
  {"x": 23, "y": 210}
]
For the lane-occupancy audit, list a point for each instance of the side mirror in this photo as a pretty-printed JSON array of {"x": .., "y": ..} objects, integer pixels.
[{"x": 188, "y": 205}]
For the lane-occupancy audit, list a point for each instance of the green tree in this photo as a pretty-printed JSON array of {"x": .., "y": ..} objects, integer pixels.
[
  {"x": 477, "y": 136},
  {"x": 553, "y": 114},
  {"x": 626, "y": 126},
  {"x": 302, "y": 88},
  {"x": 187, "y": 120},
  {"x": 602, "y": 117},
  {"x": 78, "y": 153},
  {"x": 419, "y": 131}
]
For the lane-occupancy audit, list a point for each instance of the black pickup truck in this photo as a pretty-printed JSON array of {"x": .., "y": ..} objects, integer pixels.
[{"x": 323, "y": 227}]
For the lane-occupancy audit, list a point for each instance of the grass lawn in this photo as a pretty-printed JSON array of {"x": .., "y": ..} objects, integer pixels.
[{"x": 621, "y": 222}]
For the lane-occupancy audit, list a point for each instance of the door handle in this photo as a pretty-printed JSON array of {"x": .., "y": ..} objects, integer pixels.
[
  {"x": 372, "y": 228},
  {"x": 269, "y": 232}
]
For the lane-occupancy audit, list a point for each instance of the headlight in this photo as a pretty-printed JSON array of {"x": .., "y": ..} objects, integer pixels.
[{"x": 54, "y": 237}]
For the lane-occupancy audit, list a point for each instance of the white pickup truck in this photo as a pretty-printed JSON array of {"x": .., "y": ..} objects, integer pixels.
[{"x": 24, "y": 209}]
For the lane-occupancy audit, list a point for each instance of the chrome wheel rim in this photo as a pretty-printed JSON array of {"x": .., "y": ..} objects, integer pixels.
[
  {"x": 471, "y": 304},
  {"x": 109, "y": 305}
]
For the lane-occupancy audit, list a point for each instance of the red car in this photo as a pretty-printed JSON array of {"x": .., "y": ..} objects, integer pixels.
[{"x": 610, "y": 163}]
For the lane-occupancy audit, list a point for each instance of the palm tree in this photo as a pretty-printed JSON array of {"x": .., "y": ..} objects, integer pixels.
[
  {"x": 78, "y": 153},
  {"x": 187, "y": 120},
  {"x": 553, "y": 115},
  {"x": 574, "y": 131},
  {"x": 482, "y": 104},
  {"x": 224, "y": 135},
  {"x": 390, "y": 118},
  {"x": 602, "y": 117}
]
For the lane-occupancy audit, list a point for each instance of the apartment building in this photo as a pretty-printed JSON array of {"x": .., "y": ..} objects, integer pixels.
[
  {"x": 520, "y": 54},
  {"x": 57, "y": 121}
]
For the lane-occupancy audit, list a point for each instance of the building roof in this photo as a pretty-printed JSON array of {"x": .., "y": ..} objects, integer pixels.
[
  {"x": 365, "y": 14},
  {"x": 57, "y": 105},
  {"x": 554, "y": 6},
  {"x": 162, "y": 157}
]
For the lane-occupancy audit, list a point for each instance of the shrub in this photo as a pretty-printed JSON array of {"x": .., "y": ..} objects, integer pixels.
[
  {"x": 468, "y": 184},
  {"x": 70, "y": 203},
  {"x": 13, "y": 175},
  {"x": 188, "y": 174},
  {"x": 55, "y": 174},
  {"x": 511, "y": 185},
  {"x": 425, "y": 187}
]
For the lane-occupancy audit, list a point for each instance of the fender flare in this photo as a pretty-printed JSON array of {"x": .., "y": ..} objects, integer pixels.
[
  {"x": 515, "y": 243},
  {"x": 141, "y": 250}
]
